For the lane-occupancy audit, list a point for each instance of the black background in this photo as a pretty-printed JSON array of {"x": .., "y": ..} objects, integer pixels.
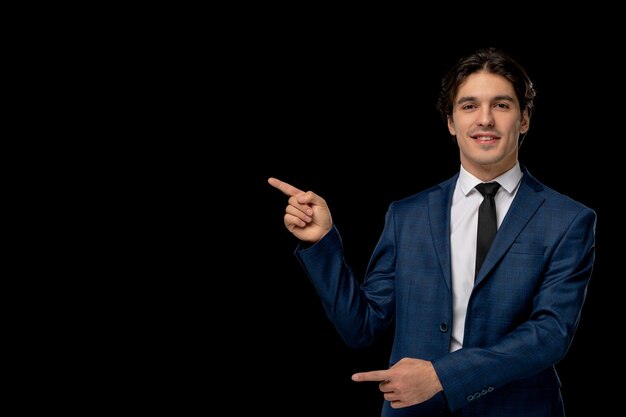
[
  {"x": 188, "y": 294},
  {"x": 351, "y": 116}
]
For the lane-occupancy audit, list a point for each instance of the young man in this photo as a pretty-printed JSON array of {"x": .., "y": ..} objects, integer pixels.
[{"x": 477, "y": 331}]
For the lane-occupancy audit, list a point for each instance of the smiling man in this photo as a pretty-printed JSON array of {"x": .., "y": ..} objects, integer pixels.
[{"x": 477, "y": 332}]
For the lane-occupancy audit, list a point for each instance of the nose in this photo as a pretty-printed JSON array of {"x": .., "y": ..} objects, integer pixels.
[{"x": 485, "y": 117}]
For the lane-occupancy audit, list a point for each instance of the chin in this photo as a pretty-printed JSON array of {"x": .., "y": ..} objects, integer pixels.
[{"x": 491, "y": 160}]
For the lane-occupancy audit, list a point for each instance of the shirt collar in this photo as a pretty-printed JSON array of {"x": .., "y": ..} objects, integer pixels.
[{"x": 509, "y": 180}]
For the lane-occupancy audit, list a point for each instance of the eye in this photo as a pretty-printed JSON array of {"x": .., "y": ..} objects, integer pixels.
[
  {"x": 503, "y": 106},
  {"x": 468, "y": 106}
]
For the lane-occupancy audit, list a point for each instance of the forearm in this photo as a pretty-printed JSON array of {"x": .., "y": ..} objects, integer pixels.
[
  {"x": 520, "y": 355},
  {"x": 358, "y": 316}
]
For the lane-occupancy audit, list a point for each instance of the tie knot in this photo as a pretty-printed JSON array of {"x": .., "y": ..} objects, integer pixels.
[{"x": 488, "y": 188}]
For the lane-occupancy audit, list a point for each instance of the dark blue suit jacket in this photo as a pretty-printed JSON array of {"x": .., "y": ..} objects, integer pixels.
[{"x": 521, "y": 316}]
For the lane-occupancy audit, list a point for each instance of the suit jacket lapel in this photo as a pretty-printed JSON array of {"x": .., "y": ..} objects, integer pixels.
[
  {"x": 439, "y": 205},
  {"x": 526, "y": 202}
]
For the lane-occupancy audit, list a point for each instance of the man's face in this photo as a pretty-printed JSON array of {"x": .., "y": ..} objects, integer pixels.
[{"x": 487, "y": 121}]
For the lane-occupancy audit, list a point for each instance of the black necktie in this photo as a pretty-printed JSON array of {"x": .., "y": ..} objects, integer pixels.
[{"x": 487, "y": 221}]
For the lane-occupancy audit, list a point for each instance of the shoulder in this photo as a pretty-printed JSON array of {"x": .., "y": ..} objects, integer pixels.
[
  {"x": 422, "y": 198},
  {"x": 555, "y": 200}
]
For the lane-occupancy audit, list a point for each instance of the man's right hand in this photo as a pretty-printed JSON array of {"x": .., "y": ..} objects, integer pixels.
[{"x": 307, "y": 216}]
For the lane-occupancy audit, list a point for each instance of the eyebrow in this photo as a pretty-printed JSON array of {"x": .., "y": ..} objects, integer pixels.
[{"x": 501, "y": 97}]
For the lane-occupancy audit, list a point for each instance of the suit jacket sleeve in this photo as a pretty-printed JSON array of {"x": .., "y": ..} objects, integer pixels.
[{"x": 360, "y": 313}]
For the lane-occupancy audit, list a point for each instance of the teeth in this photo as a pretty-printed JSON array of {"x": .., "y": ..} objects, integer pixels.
[{"x": 484, "y": 137}]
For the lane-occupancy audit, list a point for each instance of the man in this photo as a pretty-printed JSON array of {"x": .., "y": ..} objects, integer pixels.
[{"x": 473, "y": 336}]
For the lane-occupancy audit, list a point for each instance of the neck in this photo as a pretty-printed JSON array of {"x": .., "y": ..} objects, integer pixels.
[{"x": 488, "y": 172}]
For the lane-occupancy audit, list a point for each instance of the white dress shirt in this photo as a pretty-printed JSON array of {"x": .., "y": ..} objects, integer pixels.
[{"x": 463, "y": 231}]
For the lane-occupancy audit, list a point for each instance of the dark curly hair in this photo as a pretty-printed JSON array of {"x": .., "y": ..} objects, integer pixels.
[{"x": 494, "y": 61}]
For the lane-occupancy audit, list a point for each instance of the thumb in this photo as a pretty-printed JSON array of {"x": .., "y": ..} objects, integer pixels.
[
  {"x": 311, "y": 198},
  {"x": 370, "y": 376}
]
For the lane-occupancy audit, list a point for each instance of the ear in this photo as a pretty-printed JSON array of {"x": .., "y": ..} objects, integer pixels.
[
  {"x": 525, "y": 122},
  {"x": 451, "y": 127}
]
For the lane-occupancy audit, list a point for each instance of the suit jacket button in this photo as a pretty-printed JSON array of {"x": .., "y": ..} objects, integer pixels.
[
  {"x": 470, "y": 397},
  {"x": 443, "y": 327}
]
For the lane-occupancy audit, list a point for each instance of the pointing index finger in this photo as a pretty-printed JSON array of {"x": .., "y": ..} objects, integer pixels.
[
  {"x": 370, "y": 376},
  {"x": 286, "y": 188}
]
